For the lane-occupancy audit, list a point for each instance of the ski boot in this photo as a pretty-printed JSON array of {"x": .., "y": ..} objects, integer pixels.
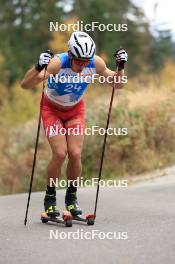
[
  {"x": 71, "y": 202},
  {"x": 50, "y": 205}
]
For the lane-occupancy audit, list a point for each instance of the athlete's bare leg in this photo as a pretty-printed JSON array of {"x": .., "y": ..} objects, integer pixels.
[
  {"x": 74, "y": 148},
  {"x": 59, "y": 151}
]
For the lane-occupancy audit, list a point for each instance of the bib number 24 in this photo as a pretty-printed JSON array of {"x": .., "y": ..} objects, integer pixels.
[{"x": 69, "y": 88}]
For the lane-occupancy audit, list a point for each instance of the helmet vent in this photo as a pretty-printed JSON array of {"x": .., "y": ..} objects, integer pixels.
[
  {"x": 86, "y": 47},
  {"x": 77, "y": 52},
  {"x": 91, "y": 48},
  {"x": 76, "y": 40}
]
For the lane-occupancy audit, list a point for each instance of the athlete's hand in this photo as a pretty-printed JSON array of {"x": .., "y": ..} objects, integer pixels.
[
  {"x": 121, "y": 58},
  {"x": 43, "y": 60}
]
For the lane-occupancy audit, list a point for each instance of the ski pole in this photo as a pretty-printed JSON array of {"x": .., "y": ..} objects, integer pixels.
[
  {"x": 35, "y": 152},
  {"x": 103, "y": 151}
]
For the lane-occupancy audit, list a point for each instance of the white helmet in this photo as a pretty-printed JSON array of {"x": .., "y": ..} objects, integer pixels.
[{"x": 81, "y": 45}]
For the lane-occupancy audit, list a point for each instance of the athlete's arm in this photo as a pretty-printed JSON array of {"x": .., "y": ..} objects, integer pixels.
[
  {"x": 34, "y": 77},
  {"x": 102, "y": 70}
]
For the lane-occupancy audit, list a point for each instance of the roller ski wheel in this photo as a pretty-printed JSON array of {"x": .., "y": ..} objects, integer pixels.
[
  {"x": 44, "y": 218},
  {"x": 67, "y": 217},
  {"x": 90, "y": 219}
]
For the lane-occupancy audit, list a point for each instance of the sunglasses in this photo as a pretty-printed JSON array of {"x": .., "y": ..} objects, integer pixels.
[{"x": 80, "y": 62}]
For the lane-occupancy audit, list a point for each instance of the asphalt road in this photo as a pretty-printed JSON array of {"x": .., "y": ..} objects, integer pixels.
[{"x": 142, "y": 217}]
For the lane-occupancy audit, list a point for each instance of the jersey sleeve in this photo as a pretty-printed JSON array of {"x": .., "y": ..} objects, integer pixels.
[{"x": 63, "y": 59}]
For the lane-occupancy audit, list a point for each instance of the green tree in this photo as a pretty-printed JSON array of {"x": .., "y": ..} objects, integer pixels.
[
  {"x": 24, "y": 29},
  {"x": 161, "y": 48}
]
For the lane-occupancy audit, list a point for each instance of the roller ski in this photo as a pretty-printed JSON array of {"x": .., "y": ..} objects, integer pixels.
[
  {"x": 51, "y": 214},
  {"x": 74, "y": 209},
  {"x": 65, "y": 219}
]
